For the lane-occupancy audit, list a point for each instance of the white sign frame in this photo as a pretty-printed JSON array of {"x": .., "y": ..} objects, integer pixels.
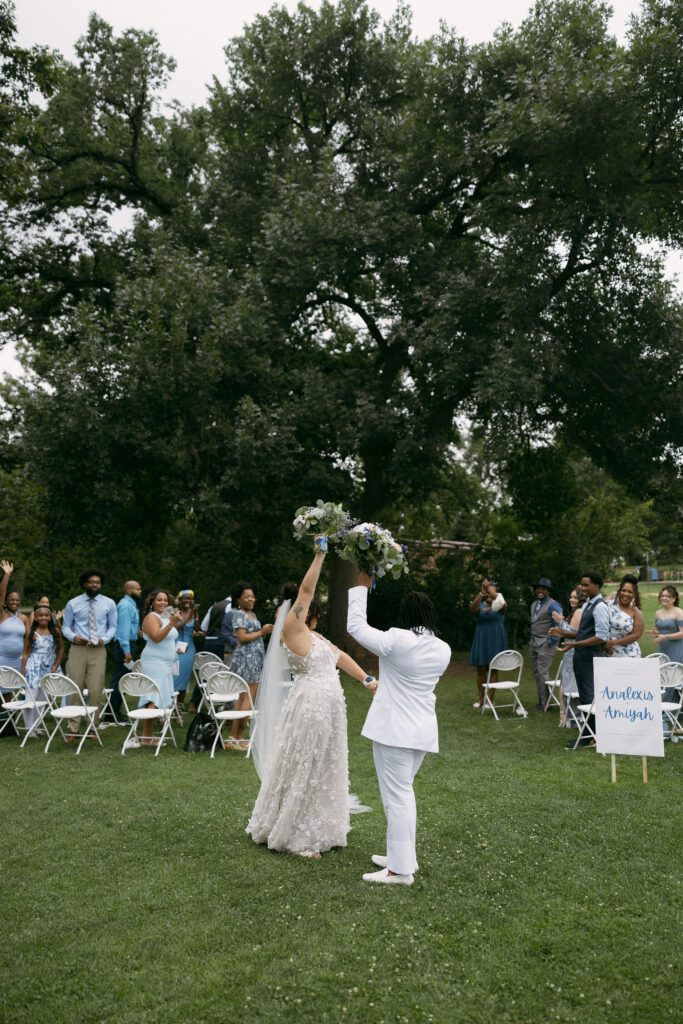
[{"x": 628, "y": 706}]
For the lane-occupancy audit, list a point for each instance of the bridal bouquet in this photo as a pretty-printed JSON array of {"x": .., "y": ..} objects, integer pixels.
[
  {"x": 373, "y": 549},
  {"x": 324, "y": 517}
]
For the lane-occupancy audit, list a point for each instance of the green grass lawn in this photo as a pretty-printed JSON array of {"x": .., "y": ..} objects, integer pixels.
[{"x": 545, "y": 893}]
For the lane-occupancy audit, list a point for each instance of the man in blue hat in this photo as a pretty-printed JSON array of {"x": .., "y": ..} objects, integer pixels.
[{"x": 542, "y": 646}]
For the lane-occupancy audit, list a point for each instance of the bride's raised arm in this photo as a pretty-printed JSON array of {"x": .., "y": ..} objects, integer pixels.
[{"x": 295, "y": 627}]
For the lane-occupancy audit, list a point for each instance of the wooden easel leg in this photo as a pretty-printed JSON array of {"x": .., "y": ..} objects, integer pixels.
[
  {"x": 645, "y": 770},
  {"x": 614, "y": 767}
]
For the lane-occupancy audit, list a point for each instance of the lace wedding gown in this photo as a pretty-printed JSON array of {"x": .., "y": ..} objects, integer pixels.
[{"x": 303, "y": 804}]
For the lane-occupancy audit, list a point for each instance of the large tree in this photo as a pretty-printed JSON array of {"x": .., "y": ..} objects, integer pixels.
[{"x": 360, "y": 238}]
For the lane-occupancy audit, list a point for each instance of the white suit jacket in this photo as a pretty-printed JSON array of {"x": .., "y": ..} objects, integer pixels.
[{"x": 402, "y": 712}]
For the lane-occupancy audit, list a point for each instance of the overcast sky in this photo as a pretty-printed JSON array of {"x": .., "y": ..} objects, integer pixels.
[{"x": 195, "y": 32}]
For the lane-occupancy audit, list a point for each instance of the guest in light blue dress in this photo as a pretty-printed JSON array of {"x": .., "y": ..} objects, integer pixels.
[
  {"x": 159, "y": 655},
  {"x": 13, "y": 623},
  {"x": 668, "y": 631},
  {"x": 247, "y": 657}
]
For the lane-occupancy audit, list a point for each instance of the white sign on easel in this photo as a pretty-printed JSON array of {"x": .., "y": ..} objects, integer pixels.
[{"x": 628, "y": 708}]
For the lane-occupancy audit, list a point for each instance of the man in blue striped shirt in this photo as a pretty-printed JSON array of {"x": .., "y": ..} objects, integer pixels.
[{"x": 89, "y": 623}]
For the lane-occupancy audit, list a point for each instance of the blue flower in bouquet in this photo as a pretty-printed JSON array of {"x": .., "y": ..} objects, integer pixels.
[{"x": 325, "y": 517}]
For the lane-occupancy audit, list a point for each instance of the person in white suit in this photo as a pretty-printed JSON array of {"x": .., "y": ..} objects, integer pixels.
[{"x": 402, "y": 719}]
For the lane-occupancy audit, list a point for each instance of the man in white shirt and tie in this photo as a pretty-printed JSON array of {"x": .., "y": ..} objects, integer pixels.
[
  {"x": 401, "y": 721},
  {"x": 89, "y": 623}
]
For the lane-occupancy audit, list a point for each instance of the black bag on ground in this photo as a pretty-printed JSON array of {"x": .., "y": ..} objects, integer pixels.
[
  {"x": 201, "y": 734},
  {"x": 7, "y": 729}
]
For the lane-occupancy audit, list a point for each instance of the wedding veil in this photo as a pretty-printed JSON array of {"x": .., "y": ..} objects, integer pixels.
[{"x": 276, "y": 681}]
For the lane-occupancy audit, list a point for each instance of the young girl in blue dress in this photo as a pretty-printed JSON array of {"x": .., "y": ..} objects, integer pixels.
[{"x": 43, "y": 653}]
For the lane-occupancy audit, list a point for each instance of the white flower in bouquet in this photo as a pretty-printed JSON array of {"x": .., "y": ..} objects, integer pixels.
[
  {"x": 374, "y": 549},
  {"x": 322, "y": 518}
]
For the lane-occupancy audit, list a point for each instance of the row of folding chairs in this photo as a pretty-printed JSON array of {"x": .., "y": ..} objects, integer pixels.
[{"x": 64, "y": 702}]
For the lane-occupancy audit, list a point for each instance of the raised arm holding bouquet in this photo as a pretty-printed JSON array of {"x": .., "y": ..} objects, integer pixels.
[{"x": 324, "y": 519}]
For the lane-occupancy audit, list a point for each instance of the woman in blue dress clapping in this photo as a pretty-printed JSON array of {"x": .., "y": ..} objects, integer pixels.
[
  {"x": 185, "y": 644},
  {"x": 158, "y": 658},
  {"x": 490, "y": 637}
]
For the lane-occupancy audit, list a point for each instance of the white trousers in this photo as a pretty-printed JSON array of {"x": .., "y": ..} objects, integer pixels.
[{"x": 396, "y": 769}]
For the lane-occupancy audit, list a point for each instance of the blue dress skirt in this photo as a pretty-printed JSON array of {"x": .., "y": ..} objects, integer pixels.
[
  {"x": 672, "y": 648},
  {"x": 247, "y": 658},
  {"x": 181, "y": 678},
  {"x": 490, "y": 637}
]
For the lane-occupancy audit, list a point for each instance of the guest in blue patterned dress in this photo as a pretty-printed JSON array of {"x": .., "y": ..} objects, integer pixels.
[
  {"x": 186, "y": 635},
  {"x": 13, "y": 623},
  {"x": 626, "y": 623},
  {"x": 43, "y": 653},
  {"x": 668, "y": 631},
  {"x": 248, "y": 655},
  {"x": 490, "y": 637}
]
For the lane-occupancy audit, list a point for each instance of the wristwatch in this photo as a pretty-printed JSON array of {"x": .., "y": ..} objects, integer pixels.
[{"x": 368, "y": 680}]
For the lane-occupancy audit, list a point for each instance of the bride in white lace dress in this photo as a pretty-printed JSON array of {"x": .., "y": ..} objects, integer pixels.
[{"x": 303, "y": 804}]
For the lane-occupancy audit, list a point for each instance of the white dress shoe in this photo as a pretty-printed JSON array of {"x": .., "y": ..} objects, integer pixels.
[
  {"x": 381, "y": 861},
  {"x": 387, "y": 879}
]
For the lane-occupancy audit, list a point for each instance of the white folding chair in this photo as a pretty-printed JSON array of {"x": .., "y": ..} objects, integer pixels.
[
  {"x": 671, "y": 682},
  {"x": 222, "y": 688},
  {"x": 17, "y": 698},
  {"x": 204, "y": 672},
  {"x": 585, "y": 710},
  {"x": 204, "y": 658},
  {"x": 136, "y": 684},
  {"x": 506, "y": 661},
  {"x": 661, "y": 657},
  {"x": 56, "y": 687},
  {"x": 569, "y": 697},
  {"x": 554, "y": 684},
  {"x": 108, "y": 706}
]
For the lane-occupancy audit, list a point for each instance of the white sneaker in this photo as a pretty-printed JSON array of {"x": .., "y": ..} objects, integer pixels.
[
  {"x": 387, "y": 879},
  {"x": 131, "y": 744},
  {"x": 381, "y": 861}
]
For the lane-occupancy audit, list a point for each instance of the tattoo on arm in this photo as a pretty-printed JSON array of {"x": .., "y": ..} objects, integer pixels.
[{"x": 298, "y": 610}]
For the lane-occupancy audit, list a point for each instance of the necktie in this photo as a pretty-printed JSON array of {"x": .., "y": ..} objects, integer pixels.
[{"x": 91, "y": 622}]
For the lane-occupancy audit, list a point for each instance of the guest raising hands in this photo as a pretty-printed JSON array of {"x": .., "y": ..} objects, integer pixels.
[
  {"x": 490, "y": 637},
  {"x": 13, "y": 623}
]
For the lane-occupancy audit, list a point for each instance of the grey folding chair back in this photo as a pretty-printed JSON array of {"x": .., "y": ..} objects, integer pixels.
[{"x": 506, "y": 661}]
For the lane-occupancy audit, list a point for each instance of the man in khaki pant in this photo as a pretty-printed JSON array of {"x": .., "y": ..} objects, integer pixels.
[{"x": 89, "y": 623}]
